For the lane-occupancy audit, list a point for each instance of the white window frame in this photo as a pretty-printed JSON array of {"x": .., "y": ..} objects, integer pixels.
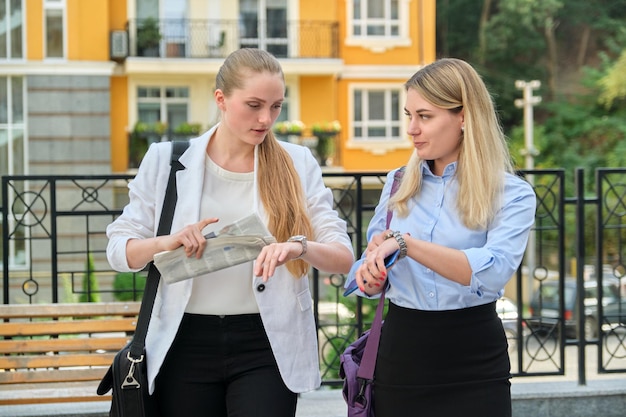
[
  {"x": 10, "y": 21},
  {"x": 378, "y": 44},
  {"x": 55, "y": 5},
  {"x": 15, "y": 261},
  {"x": 377, "y": 146},
  {"x": 262, "y": 41},
  {"x": 162, "y": 100}
]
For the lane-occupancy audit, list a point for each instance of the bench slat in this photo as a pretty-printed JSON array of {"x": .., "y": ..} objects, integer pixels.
[
  {"x": 49, "y": 400},
  {"x": 86, "y": 337},
  {"x": 49, "y": 327},
  {"x": 63, "y": 345},
  {"x": 56, "y": 361},
  {"x": 12, "y": 311},
  {"x": 56, "y": 375}
]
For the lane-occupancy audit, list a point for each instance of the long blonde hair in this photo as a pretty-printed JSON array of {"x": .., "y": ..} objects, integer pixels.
[
  {"x": 280, "y": 188},
  {"x": 454, "y": 85}
]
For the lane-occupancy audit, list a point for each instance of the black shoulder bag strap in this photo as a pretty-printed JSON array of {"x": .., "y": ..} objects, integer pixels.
[{"x": 154, "y": 276}]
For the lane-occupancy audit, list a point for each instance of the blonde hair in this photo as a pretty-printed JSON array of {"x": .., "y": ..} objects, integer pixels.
[
  {"x": 454, "y": 85},
  {"x": 280, "y": 188}
]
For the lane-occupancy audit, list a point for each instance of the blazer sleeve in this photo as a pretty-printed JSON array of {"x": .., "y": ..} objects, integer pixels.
[{"x": 139, "y": 219}]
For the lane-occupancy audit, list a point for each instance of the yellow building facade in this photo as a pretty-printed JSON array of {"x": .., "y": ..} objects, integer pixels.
[{"x": 92, "y": 82}]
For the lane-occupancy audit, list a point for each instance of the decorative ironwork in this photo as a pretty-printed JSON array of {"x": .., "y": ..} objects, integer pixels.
[{"x": 51, "y": 226}]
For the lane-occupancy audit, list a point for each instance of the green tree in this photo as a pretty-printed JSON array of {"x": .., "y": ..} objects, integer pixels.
[{"x": 613, "y": 84}]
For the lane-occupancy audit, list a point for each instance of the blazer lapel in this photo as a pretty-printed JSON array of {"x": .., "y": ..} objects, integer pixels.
[{"x": 190, "y": 182}]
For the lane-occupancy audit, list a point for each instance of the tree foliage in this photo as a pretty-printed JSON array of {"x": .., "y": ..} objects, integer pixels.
[{"x": 576, "y": 48}]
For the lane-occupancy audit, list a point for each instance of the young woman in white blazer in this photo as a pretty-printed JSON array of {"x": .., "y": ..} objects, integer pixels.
[{"x": 240, "y": 341}]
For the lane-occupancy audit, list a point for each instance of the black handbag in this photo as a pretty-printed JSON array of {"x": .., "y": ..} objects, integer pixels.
[{"x": 127, "y": 376}]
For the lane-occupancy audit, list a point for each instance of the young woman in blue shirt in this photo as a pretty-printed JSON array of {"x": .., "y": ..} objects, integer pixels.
[{"x": 460, "y": 221}]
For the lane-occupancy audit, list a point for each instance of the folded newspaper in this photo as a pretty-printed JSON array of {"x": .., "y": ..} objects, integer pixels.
[{"x": 236, "y": 243}]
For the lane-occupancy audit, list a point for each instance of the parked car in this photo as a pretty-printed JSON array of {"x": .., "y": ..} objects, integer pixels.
[{"x": 544, "y": 306}]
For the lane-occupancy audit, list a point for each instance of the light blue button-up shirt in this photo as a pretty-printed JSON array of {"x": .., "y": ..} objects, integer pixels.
[{"x": 493, "y": 254}]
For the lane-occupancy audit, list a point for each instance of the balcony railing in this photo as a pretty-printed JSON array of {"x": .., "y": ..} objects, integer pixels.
[{"x": 199, "y": 38}]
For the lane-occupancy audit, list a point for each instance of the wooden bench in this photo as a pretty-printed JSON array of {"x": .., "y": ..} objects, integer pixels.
[{"x": 51, "y": 353}]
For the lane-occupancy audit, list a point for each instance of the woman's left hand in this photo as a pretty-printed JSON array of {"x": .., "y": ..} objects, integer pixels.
[
  {"x": 275, "y": 255},
  {"x": 372, "y": 273}
]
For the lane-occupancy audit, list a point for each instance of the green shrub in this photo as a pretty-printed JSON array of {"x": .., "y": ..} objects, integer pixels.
[
  {"x": 129, "y": 286},
  {"x": 90, "y": 293}
]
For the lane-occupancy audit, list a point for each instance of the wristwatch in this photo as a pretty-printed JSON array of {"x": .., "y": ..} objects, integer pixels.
[{"x": 302, "y": 240}]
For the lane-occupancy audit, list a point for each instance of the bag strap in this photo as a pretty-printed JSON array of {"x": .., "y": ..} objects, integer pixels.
[
  {"x": 368, "y": 361},
  {"x": 165, "y": 225}
]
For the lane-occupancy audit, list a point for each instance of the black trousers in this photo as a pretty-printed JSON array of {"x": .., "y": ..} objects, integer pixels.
[
  {"x": 222, "y": 366},
  {"x": 442, "y": 364}
]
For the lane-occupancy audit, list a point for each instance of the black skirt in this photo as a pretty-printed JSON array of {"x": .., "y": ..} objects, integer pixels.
[{"x": 442, "y": 363}]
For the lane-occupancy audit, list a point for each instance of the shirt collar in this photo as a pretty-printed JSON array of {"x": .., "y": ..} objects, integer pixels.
[{"x": 449, "y": 171}]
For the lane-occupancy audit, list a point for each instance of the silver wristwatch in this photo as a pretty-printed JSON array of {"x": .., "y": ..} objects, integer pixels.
[{"x": 302, "y": 240}]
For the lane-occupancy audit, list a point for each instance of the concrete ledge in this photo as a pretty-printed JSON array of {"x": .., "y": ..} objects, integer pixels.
[
  {"x": 602, "y": 397},
  {"x": 531, "y": 398}
]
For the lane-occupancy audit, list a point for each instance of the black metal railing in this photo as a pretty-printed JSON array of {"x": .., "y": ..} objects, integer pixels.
[
  {"x": 53, "y": 250},
  {"x": 198, "y": 38}
]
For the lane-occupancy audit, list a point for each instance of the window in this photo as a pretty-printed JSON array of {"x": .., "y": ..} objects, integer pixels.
[
  {"x": 376, "y": 123},
  {"x": 11, "y": 28},
  {"x": 54, "y": 33},
  {"x": 284, "y": 110},
  {"x": 163, "y": 104},
  {"x": 12, "y": 148},
  {"x": 376, "y": 114},
  {"x": 375, "y": 18},
  {"x": 377, "y": 25},
  {"x": 264, "y": 25}
]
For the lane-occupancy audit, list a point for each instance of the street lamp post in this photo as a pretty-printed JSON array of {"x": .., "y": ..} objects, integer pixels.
[{"x": 529, "y": 152}]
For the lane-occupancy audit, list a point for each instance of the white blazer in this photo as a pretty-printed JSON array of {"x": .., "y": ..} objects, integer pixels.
[{"x": 285, "y": 303}]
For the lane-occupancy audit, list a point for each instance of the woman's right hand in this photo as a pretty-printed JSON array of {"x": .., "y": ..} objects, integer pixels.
[
  {"x": 190, "y": 237},
  {"x": 141, "y": 251}
]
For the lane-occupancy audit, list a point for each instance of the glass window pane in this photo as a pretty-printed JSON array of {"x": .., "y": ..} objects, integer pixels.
[
  {"x": 279, "y": 51},
  {"x": 16, "y": 23},
  {"x": 376, "y": 132},
  {"x": 375, "y": 9},
  {"x": 4, "y": 152},
  {"x": 148, "y": 92},
  {"x": 284, "y": 110},
  {"x": 395, "y": 132},
  {"x": 16, "y": 42},
  {"x": 176, "y": 92},
  {"x": 395, "y": 105},
  {"x": 149, "y": 112},
  {"x": 54, "y": 33},
  {"x": 147, "y": 8},
  {"x": 249, "y": 18},
  {"x": 376, "y": 105},
  {"x": 358, "y": 132},
  {"x": 4, "y": 100},
  {"x": 176, "y": 114},
  {"x": 394, "y": 9},
  {"x": 375, "y": 30},
  {"x": 3, "y": 29},
  {"x": 276, "y": 22},
  {"x": 356, "y": 10},
  {"x": 358, "y": 109},
  {"x": 18, "y": 151},
  {"x": 17, "y": 96}
]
